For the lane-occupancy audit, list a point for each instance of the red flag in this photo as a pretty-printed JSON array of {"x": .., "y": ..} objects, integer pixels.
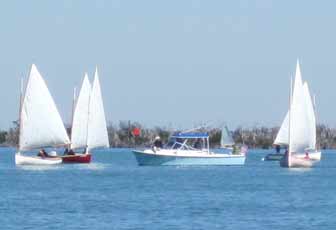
[{"x": 136, "y": 132}]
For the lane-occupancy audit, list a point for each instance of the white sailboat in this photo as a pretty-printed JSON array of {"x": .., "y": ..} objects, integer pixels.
[
  {"x": 89, "y": 129},
  {"x": 79, "y": 130},
  {"x": 280, "y": 140},
  {"x": 226, "y": 139},
  {"x": 40, "y": 122},
  {"x": 282, "y": 136},
  {"x": 301, "y": 126},
  {"x": 97, "y": 128}
]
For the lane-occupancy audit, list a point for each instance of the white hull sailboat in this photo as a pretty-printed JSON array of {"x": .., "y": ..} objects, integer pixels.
[
  {"x": 282, "y": 138},
  {"x": 89, "y": 129},
  {"x": 301, "y": 127},
  {"x": 40, "y": 123},
  {"x": 30, "y": 160}
]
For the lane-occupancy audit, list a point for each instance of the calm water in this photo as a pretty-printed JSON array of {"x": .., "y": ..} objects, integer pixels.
[{"x": 114, "y": 193}]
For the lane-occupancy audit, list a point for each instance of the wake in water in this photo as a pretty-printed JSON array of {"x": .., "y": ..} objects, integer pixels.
[
  {"x": 300, "y": 170},
  {"x": 40, "y": 167},
  {"x": 92, "y": 166}
]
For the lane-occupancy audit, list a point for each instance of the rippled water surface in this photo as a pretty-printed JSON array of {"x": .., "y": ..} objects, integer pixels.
[{"x": 114, "y": 193}]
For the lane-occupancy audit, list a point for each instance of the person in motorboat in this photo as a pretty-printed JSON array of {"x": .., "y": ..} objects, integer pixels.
[
  {"x": 42, "y": 153},
  {"x": 235, "y": 149},
  {"x": 157, "y": 145},
  {"x": 198, "y": 144}
]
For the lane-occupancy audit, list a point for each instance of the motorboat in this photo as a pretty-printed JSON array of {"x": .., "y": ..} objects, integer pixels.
[{"x": 188, "y": 148}]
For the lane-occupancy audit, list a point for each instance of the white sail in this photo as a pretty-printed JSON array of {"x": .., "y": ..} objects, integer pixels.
[
  {"x": 79, "y": 131},
  {"x": 40, "y": 122},
  {"x": 311, "y": 126},
  {"x": 300, "y": 134},
  {"x": 282, "y": 136},
  {"x": 226, "y": 139},
  {"x": 97, "y": 130}
]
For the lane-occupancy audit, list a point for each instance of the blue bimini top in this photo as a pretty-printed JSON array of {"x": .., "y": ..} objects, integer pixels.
[{"x": 190, "y": 135}]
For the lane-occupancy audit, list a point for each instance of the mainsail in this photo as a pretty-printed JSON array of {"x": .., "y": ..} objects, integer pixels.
[
  {"x": 300, "y": 118},
  {"x": 311, "y": 126},
  {"x": 282, "y": 136},
  {"x": 97, "y": 130},
  {"x": 40, "y": 122},
  {"x": 79, "y": 131}
]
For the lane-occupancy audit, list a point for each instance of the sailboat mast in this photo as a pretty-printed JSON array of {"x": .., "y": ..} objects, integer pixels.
[
  {"x": 314, "y": 105},
  {"x": 73, "y": 112},
  {"x": 88, "y": 120},
  {"x": 289, "y": 121},
  {"x": 73, "y": 104},
  {"x": 20, "y": 111}
]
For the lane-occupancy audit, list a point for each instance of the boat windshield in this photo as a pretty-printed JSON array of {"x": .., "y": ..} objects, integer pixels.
[{"x": 188, "y": 142}]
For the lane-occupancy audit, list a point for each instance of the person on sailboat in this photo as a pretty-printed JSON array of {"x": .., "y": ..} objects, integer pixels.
[
  {"x": 307, "y": 156},
  {"x": 69, "y": 152},
  {"x": 42, "y": 153},
  {"x": 277, "y": 148},
  {"x": 85, "y": 150}
]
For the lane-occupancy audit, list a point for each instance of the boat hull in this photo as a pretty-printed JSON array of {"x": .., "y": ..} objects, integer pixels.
[
  {"x": 156, "y": 159},
  {"x": 296, "y": 162},
  {"x": 77, "y": 158},
  {"x": 315, "y": 156},
  {"x": 30, "y": 160},
  {"x": 274, "y": 157}
]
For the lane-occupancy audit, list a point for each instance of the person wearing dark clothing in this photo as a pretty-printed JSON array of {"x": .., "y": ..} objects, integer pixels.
[
  {"x": 42, "y": 153},
  {"x": 277, "y": 148},
  {"x": 158, "y": 143},
  {"x": 69, "y": 152},
  {"x": 198, "y": 144}
]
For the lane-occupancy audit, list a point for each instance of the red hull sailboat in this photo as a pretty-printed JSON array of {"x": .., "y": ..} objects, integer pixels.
[
  {"x": 77, "y": 158},
  {"x": 88, "y": 123}
]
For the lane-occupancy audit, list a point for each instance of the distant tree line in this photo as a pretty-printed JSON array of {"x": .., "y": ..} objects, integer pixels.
[{"x": 123, "y": 135}]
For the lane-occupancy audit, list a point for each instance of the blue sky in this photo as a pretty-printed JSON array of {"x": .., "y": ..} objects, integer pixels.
[{"x": 173, "y": 62}]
